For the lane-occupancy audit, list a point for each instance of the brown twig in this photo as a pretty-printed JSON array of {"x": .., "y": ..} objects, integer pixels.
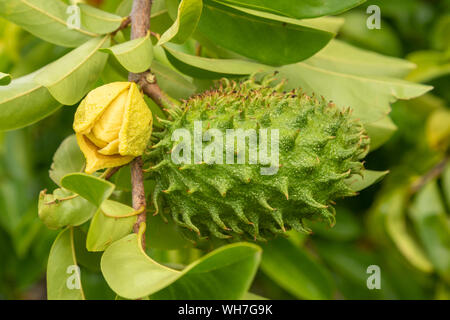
[
  {"x": 430, "y": 175},
  {"x": 140, "y": 24}
]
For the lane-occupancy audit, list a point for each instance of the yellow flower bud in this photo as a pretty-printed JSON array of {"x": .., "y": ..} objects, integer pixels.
[{"x": 113, "y": 125}]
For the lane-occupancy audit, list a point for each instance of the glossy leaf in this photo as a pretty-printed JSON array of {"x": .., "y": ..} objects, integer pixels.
[
  {"x": 299, "y": 9},
  {"x": 301, "y": 276},
  {"x": 368, "y": 178},
  {"x": 63, "y": 208},
  {"x": 208, "y": 68},
  {"x": 24, "y": 102},
  {"x": 132, "y": 274},
  {"x": 67, "y": 159},
  {"x": 189, "y": 12},
  {"x": 93, "y": 189},
  {"x": 98, "y": 21},
  {"x": 111, "y": 222},
  {"x": 69, "y": 78},
  {"x": 369, "y": 97},
  {"x": 329, "y": 24},
  {"x": 63, "y": 277},
  {"x": 344, "y": 58},
  {"x": 268, "y": 41},
  {"x": 46, "y": 19},
  {"x": 5, "y": 79},
  {"x": 135, "y": 55}
]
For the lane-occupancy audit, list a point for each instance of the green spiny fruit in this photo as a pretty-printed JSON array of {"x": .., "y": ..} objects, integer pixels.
[{"x": 320, "y": 147}]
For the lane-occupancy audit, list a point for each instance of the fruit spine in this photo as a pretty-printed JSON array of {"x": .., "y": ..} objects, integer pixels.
[{"x": 320, "y": 146}]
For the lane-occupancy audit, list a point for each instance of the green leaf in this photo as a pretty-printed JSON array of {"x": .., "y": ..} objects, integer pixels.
[
  {"x": 111, "y": 222},
  {"x": 392, "y": 209},
  {"x": 440, "y": 36},
  {"x": 69, "y": 78},
  {"x": 135, "y": 55},
  {"x": 63, "y": 208},
  {"x": 430, "y": 221},
  {"x": 347, "y": 227},
  {"x": 368, "y": 178},
  {"x": 132, "y": 274},
  {"x": 369, "y": 97},
  {"x": 172, "y": 82},
  {"x": 164, "y": 235},
  {"x": 446, "y": 184},
  {"x": 329, "y": 24},
  {"x": 299, "y": 9},
  {"x": 46, "y": 19},
  {"x": 383, "y": 40},
  {"x": 98, "y": 21},
  {"x": 5, "y": 79},
  {"x": 24, "y": 102},
  {"x": 295, "y": 270},
  {"x": 89, "y": 260},
  {"x": 93, "y": 189},
  {"x": 430, "y": 65},
  {"x": 207, "y": 68},
  {"x": 189, "y": 12},
  {"x": 344, "y": 58},
  {"x": 67, "y": 159},
  {"x": 380, "y": 132},
  {"x": 63, "y": 276},
  {"x": 268, "y": 41}
]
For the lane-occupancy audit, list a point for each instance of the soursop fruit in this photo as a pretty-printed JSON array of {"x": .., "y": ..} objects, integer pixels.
[{"x": 319, "y": 147}]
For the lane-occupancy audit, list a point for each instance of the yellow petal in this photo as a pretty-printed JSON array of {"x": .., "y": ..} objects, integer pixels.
[
  {"x": 92, "y": 107},
  {"x": 99, "y": 143},
  {"x": 108, "y": 125},
  {"x": 137, "y": 124},
  {"x": 96, "y": 161},
  {"x": 111, "y": 148}
]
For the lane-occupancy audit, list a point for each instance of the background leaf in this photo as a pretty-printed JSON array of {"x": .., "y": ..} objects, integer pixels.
[
  {"x": 62, "y": 256},
  {"x": 207, "y": 278},
  {"x": 59, "y": 209},
  {"x": 46, "y": 19},
  {"x": 189, "y": 12},
  {"x": 294, "y": 270},
  {"x": 5, "y": 79},
  {"x": 268, "y": 41},
  {"x": 368, "y": 178},
  {"x": 93, "y": 189},
  {"x": 98, "y": 21},
  {"x": 134, "y": 55},
  {"x": 105, "y": 229},
  {"x": 69, "y": 78},
  {"x": 24, "y": 102},
  {"x": 299, "y": 9},
  {"x": 207, "y": 68},
  {"x": 67, "y": 159}
]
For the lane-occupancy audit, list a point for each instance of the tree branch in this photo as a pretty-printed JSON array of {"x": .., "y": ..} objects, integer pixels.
[{"x": 140, "y": 25}]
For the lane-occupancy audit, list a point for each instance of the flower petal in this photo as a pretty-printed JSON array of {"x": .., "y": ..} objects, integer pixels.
[
  {"x": 96, "y": 161},
  {"x": 92, "y": 107},
  {"x": 137, "y": 124}
]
